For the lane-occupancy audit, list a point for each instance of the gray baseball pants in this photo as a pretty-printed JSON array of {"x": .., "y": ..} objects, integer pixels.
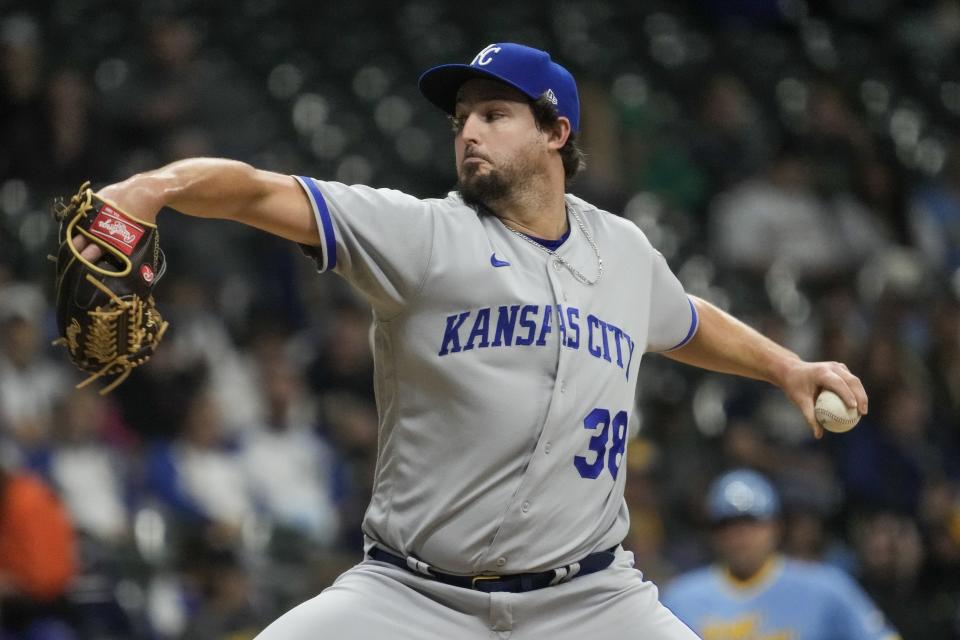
[{"x": 377, "y": 601}]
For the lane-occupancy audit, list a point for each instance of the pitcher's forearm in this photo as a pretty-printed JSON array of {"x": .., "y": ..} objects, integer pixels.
[
  {"x": 206, "y": 187},
  {"x": 727, "y": 345},
  {"x": 224, "y": 189}
]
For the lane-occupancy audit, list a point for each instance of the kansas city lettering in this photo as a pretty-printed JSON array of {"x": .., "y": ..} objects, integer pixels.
[{"x": 531, "y": 325}]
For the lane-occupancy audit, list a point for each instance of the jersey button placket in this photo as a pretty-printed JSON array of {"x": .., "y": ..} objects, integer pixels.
[{"x": 564, "y": 355}]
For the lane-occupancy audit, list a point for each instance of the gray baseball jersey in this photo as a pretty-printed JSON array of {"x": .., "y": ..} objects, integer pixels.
[{"x": 504, "y": 384}]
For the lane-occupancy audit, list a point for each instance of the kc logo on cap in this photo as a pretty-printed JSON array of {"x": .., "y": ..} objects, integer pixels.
[
  {"x": 528, "y": 70},
  {"x": 486, "y": 56}
]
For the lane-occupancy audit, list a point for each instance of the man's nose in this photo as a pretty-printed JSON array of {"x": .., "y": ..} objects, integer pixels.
[{"x": 470, "y": 130}]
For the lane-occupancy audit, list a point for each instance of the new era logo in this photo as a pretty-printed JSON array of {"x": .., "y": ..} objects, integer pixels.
[{"x": 551, "y": 96}]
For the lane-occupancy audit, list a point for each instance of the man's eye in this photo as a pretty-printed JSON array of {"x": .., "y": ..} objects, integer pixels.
[
  {"x": 456, "y": 123},
  {"x": 494, "y": 115}
]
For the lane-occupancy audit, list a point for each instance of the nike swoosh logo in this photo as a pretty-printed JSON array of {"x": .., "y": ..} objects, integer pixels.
[{"x": 498, "y": 263}]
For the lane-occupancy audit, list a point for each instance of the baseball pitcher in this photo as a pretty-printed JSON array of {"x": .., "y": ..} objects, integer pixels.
[{"x": 510, "y": 321}]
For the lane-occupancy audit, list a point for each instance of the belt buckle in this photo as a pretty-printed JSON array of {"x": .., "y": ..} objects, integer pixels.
[{"x": 473, "y": 581}]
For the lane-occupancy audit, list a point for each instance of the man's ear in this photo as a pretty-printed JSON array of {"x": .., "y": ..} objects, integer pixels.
[{"x": 558, "y": 133}]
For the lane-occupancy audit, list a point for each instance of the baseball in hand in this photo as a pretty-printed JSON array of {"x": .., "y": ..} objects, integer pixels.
[{"x": 833, "y": 414}]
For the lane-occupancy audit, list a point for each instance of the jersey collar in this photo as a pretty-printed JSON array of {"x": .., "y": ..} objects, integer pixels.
[{"x": 767, "y": 574}]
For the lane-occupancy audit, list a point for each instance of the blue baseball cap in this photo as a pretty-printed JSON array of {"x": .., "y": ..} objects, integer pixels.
[
  {"x": 742, "y": 494},
  {"x": 528, "y": 70}
]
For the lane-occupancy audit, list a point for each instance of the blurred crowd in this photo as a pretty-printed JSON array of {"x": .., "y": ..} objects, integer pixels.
[{"x": 797, "y": 163}]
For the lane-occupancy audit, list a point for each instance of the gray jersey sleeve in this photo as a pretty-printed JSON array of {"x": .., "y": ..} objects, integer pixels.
[
  {"x": 379, "y": 240},
  {"x": 673, "y": 318}
]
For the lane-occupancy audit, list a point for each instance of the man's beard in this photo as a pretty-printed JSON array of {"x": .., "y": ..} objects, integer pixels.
[{"x": 483, "y": 191}]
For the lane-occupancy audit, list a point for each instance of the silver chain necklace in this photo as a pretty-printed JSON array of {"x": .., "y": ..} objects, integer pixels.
[{"x": 573, "y": 270}]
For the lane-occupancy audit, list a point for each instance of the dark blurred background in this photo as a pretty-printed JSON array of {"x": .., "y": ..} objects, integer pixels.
[{"x": 796, "y": 162}]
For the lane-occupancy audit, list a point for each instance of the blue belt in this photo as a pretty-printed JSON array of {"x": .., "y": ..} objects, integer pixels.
[{"x": 515, "y": 582}]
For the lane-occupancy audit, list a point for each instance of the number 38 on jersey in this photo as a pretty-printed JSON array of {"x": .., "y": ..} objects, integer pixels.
[{"x": 607, "y": 447}]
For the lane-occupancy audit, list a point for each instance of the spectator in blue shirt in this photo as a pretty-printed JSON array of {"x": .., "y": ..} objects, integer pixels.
[{"x": 753, "y": 592}]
